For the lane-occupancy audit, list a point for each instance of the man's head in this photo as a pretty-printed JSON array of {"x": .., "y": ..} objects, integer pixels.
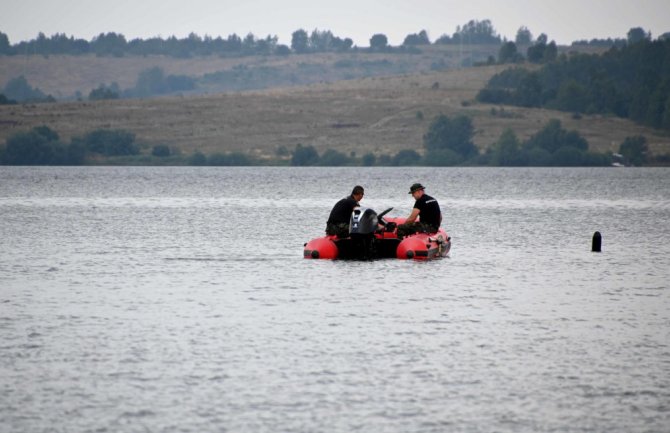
[
  {"x": 416, "y": 190},
  {"x": 358, "y": 193}
]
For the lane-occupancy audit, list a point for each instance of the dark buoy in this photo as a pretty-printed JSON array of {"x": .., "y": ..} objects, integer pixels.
[{"x": 597, "y": 242}]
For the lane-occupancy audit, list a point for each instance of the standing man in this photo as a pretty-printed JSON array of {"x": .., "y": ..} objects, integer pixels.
[
  {"x": 425, "y": 207},
  {"x": 338, "y": 221}
]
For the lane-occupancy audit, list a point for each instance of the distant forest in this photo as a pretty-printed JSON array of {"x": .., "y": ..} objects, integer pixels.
[
  {"x": 630, "y": 82},
  {"x": 318, "y": 41}
]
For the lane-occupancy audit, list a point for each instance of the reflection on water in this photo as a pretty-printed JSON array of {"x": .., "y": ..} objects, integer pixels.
[{"x": 177, "y": 299}]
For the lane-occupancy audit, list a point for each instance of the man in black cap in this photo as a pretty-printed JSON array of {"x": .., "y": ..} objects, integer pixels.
[
  {"x": 425, "y": 207},
  {"x": 338, "y": 221}
]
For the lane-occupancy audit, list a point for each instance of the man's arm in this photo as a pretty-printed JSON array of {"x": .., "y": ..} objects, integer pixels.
[{"x": 412, "y": 216}]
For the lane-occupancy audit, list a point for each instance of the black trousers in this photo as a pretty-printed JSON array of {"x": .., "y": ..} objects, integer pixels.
[
  {"x": 416, "y": 227},
  {"x": 341, "y": 230}
]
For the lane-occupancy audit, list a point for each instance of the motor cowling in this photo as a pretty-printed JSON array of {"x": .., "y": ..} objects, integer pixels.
[{"x": 363, "y": 221}]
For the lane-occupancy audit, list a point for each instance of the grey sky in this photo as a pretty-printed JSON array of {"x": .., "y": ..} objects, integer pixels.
[{"x": 563, "y": 21}]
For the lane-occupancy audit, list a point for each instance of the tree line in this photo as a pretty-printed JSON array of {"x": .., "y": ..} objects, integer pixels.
[
  {"x": 448, "y": 141},
  {"x": 116, "y": 44},
  {"x": 632, "y": 82},
  {"x": 43, "y": 146}
]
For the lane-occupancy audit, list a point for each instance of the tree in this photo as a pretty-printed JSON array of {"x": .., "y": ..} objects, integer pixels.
[
  {"x": 477, "y": 32},
  {"x": 406, "y": 157},
  {"x": 343, "y": 45},
  {"x": 109, "y": 44},
  {"x": 111, "y": 142},
  {"x": 378, "y": 42},
  {"x": 535, "y": 52},
  {"x": 420, "y": 38},
  {"x": 249, "y": 44},
  {"x": 333, "y": 158},
  {"x": 40, "y": 146},
  {"x": 47, "y": 133},
  {"x": 553, "y": 137},
  {"x": 568, "y": 156},
  {"x": 179, "y": 83},
  {"x": 282, "y": 50},
  {"x": 444, "y": 39},
  {"x": 197, "y": 159},
  {"x": 368, "y": 160},
  {"x": 550, "y": 52},
  {"x": 572, "y": 96},
  {"x": 537, "y": 157},
  {"x": 505, "y": 151},
  {"x": 150, "y": 81},
  {"x": 104, "y": 92},
  {"x": 454, "y": 134},
  {"x": 5, "y": 48},
  {"x": 549, "y": 138},
  {"x": 19, "y": 90},
  {"x": 665, "y": 120},
  {"x": 634, "y": 149},
  {"x": 321, "y": 41},
  {"x": 657, "y": 104},
  {"x": 508, "y": 53},
  {"x": 523, "y": 36},
  {"x": 304, "y": 155},
  {"x": 542, "y": 52},
  {"x": 4, "y": 100},
  {"x": 637, "y": 34},
  {"x": 27, "y": 148},
  {"x": 233, "y": 44},
  {"x": 300, "y": 41},
  {"x": 161, "y": 150},
  {"x": 442, "y": 158},
  {"x": 502, "y": 88},
  {"x": 529, "y": 92}
]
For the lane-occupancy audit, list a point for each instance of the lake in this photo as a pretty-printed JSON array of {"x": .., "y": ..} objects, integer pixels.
[{"x": 176, "y": 299}]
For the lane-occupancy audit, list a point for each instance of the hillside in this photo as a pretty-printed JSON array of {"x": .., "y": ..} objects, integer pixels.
[
  {"x": 64, "y": 76},
  {"x": 378, "y": 115}
]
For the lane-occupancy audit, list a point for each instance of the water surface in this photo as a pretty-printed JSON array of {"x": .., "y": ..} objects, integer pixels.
[{"x": 177, "y": 299}]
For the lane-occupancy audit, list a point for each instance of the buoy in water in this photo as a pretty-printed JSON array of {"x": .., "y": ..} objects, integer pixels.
[{"x": 597, "y": 242}]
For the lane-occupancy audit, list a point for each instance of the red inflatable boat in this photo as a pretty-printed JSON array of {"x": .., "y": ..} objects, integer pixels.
[{"x": 372, "y": 236}]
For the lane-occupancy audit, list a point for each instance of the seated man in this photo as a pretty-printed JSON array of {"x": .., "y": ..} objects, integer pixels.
[
  {"x": 338, "y": 221},
  {"x": 427, "y": 208}
]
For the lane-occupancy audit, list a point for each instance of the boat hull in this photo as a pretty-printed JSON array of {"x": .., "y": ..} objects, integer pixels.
[
  {"x": 384, "y": 243},
  {"x": 424, "y": 246}
]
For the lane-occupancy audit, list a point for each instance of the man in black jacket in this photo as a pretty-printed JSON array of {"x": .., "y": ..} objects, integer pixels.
[
  {"x": 338, "y": 221},
  {"x": 425, "y": 207}
]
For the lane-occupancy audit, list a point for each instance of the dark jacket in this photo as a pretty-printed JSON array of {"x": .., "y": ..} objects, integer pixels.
[{"x": 342, "y": 210}]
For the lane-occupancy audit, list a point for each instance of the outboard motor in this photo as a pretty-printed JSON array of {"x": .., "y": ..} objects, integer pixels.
[
  {"x": 363, "y": 222},
  {"x": 362, "y": 227}
]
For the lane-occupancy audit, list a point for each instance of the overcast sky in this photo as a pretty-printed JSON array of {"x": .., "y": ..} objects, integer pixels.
[{"x": 563, "y": 21}]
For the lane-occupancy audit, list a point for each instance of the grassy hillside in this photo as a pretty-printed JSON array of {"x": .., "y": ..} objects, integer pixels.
[
  {"x": 382, "y": 114},
  {"x": 63, "y": 76}
]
